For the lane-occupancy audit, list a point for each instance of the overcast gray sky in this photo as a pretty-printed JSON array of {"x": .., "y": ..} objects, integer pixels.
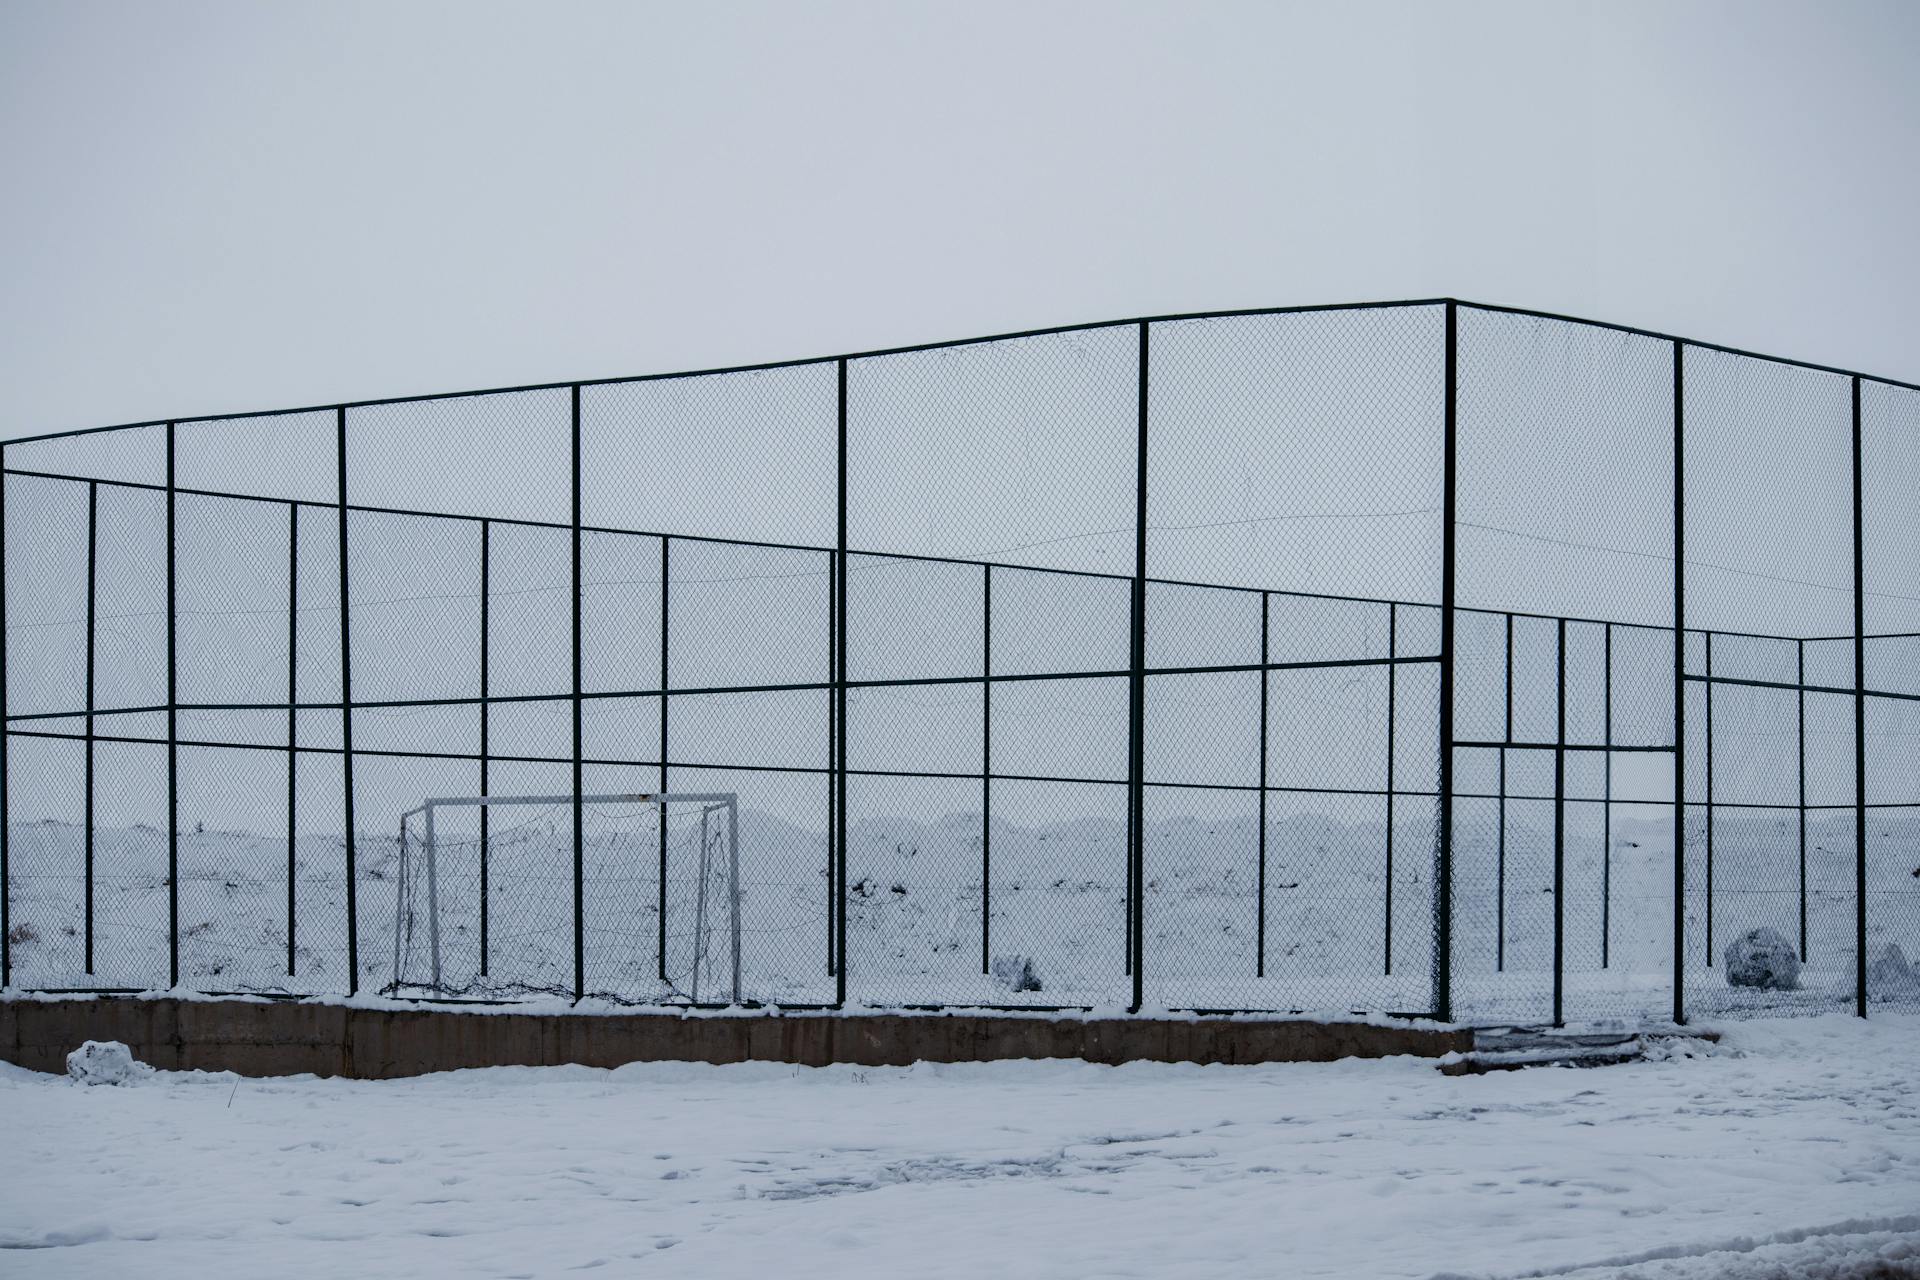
[{"x": 224, "y": 206}]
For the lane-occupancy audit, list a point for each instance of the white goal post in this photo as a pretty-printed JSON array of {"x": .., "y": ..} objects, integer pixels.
[{"x": 719, "y": 812}]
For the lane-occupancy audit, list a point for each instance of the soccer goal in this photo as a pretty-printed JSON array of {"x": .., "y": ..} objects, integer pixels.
[{"x": 518, "y": 894}]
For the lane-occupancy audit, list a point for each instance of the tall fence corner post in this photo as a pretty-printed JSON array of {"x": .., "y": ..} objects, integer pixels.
[
  {"x": 1137, "y": 681},
  {"x": 579, "y": 805},
  {"x": 1443, "y": 826},
  {"x": 1679, "y": 685},
  {"x": 1859, "y": 725},
  {"x": 837, "y": 872}
]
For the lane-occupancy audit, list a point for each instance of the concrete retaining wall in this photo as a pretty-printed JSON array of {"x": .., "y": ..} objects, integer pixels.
[{"x": 264, "y": 1038}]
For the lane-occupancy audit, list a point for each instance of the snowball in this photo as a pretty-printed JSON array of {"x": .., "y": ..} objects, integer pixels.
[
  {"x": 105, "y": 1062},
  {"x": 1762, "y": 958}
]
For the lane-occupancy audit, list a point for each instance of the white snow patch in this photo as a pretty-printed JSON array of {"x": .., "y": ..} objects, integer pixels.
[{"x": 1793, "y": 1149}]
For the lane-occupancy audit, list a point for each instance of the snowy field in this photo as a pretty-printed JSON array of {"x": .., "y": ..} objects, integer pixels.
[
  {"x": 1793, "y": 1149},
  {"x": 1058, "y": 897}
]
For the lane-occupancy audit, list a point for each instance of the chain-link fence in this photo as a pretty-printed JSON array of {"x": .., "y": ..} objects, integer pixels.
[{"x": 1425, "y": 658}]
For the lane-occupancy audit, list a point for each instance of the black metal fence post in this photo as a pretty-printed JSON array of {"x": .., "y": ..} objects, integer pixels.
[
  {"x": 1260, "y": 909},
  {"x": 293, "y": 728},
  {"x": 346, "y": 716},
  {"x": 1560, "y": 826},
  {"x": 1800, "y": 774},
  {"x": 1500, "y": 839},
  {"x": 173, "y": 716},
  {"x": 93, "y": 592},
  {"x": 1137, "y": 700},
  {"x": 1679, "y": 685},
  {"x": 1606, "y": 803},
  {"x": 6, "y": 840},
  {"x": 579, "y": 787},
  {"x": 1393, "y": 682},
  {"x": 986, "y": 769},
  {"x": 1443, "y": 835},
  {"x": 1859, "y": 727},
  {"x": 486, "y": 730},
  {"x": 839, "y": 873},
  {"x": 833, "y": 739},
  {"x": 1709, "y": 731},
  {"x": 666, "y": 682}
]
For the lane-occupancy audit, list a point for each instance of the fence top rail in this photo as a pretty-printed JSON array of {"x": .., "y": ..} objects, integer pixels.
[
  {"x": 952, "y": 343},
  {"x": 871, "y": 559},
  {"x": 637, "y": 797}
]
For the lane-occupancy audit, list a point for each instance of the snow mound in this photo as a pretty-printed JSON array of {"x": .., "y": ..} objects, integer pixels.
[
  {"x": 1016, "y": 973},
  {"x": 1891, "y": 970},
  {"x": 1762, "y": 958},
  {"x": 105, "y": 1062}
]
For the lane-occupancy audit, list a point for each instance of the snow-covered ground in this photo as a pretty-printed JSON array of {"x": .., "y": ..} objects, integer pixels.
[{"x": 1793, "y": 1149}]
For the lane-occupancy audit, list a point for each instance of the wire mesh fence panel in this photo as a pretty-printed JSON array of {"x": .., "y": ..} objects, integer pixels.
[
  {"x": 1892, "y": 868},
  {"x": 745, "y": 616},
  {"x": 1349, "y": 837},
  {"x": 527, "y": 629},
  {"x": 1058, "y": 875},
  {"x": 1890, "y": 612},
  {"x": 1745, "y": 852},
  {"x": 293, "y": 457},
  {"x": 386, "y": 787},
  {"x": 129, "y": 918},
  {"x": 783, "y": 881},
  {"x": 1889, "y": 528},
  {"x": 506, "y": 455},
  {"x": 1640, "y": 689},
  {"x": 47, "y": 594},
  {"x": 1202, "y": 883},
  {"x": 126, "y": 455},
  {"x": 233, "y": 868},
  {"x": 414, "y": 602},
  {"x": 1565, "y": 459},
  {"x": 1083, "y": 668},
  {"x": 130, "y": 598},
  {"x": 127, "y": 926},
  {"x": 1772, "y": 438},
  {"x": 622, "y": 614},
  {"x": 47, "y": 838},
  {"x": 627, "y": 862},
  {"x": 233, "y": 573},
  {"x": 746, "y": 455},
  {"x": 127, "y": 912},
  {"x": 1058, "y": 884},
  {"x": 917, "y": 928},
  {"x": 1769, "y": 438},
  {"x": 316, "y": 635},
  {"x": 1203, "y": 893},
  {"x": 911, "y": 619},
  {"x": 1565, "y": 515},
  {"x": 917, "y": 854},
  {"x": 320, "y": 874},
  {"x": 1299, "y": 452},
  {"x": 1297, "y": 455},
  {"x": 1020, "y": 451}
]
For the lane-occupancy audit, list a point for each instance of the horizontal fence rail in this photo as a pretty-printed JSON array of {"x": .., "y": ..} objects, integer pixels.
[{"x": 1423, "y": 658}]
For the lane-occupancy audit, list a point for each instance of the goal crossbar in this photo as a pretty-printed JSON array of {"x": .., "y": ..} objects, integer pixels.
[{"x": 712, "y": 802}]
